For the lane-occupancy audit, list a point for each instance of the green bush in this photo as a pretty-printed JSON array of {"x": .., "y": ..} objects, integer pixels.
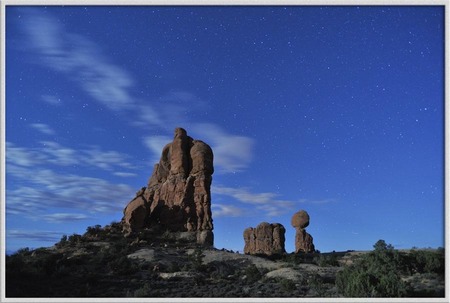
[
  {"x": 423, "y": 261},
  {"x": 376, "y": 274},
  {"x": 326, "y": 260}
]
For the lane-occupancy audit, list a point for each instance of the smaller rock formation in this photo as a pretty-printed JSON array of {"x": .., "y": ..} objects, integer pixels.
[
  {"x": 266, "y": 239},
  {"x": 303, "y": 240}
]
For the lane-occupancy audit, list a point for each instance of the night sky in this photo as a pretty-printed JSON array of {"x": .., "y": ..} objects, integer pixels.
[{"x": 335, "y": 110}]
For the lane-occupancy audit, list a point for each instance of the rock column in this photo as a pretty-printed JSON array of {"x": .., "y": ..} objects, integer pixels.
[{"x": 303, "y": 240}]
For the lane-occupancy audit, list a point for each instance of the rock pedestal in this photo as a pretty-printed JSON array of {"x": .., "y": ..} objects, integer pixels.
[
  {"x": 177, "y": 197},
  {"x": 303, "y": 240},
  {"x": 266, "y": 239}
]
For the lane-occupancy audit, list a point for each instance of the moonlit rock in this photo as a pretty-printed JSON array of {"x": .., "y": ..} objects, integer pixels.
[
  {"x": 178, "y": 194},
  {"x": 300, "y": 219},
  {"x": 266, "y": 239}
]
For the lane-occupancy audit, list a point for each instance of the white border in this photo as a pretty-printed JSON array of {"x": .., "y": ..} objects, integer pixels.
[{"x": 5, "y": 3}]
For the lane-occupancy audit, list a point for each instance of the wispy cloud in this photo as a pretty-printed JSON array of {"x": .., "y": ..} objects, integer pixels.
[
  {"x": 37, "y": 185},
  {"x": 46, "y": 189},
  {"x": 222, "y": 210},
  {"x": 267, "y": 202},
  {"x": 81, "y": 60},
  {"x": 43, "y": 128},
  {"x": 34, "y": 235},
  {"x": 51, "y": 100},
  {"x": 231, "y": 153},
  {"x": 156, "y": 144},
  {"x": 51, "y": 152},
  {"x": 124, "y": 174},
  {"x": 64, "y": 217},
  {"x": 317, "y": 202}
]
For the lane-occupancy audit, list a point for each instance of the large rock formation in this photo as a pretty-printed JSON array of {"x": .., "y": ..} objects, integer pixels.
[
  {"x": 303, "y": 240},
  {"x": 266, "y": 239},
  {"x": 178, "y": 196}
]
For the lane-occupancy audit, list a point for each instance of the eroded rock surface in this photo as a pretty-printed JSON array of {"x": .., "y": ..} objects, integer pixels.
[
  {"x": 266, "y": 238},
  {"x": 178, "y": 196}
]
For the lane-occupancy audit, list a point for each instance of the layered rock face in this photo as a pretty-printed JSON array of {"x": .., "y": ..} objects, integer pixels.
[
  {"x": 303, "y": 240},
  {"x": 178, "y": 196},
  {"x": 267, "y": 239}
]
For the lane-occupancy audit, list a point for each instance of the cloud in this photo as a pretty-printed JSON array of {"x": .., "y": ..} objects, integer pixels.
[
  {"x": 321, "y": 201},
  {"x": 148, "y": 116},
  {"x": 221, "y": 210},
  {"x": 35, "y": 184},
  {"x": 268, "y": 203},
  {"x": 51, "y": 100},
  {"x": 64, "y": 217},
  {"x": 231, "y": 153},
  {"x": 156, "y": 145},
  {"x": 124, "y": 174},
  {"x": 54, "y": 153},
  {"x": 43, "y": 128},
  {"x": 34, "y": 235},
  {"x": 81, "y": 60},
  {"x": 36, "y": 190}
]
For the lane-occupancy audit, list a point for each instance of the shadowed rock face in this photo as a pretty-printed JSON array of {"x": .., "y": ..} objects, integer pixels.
[
  {"x": 303, "y": 240},
  {"x": 178, "y": 196},
  {"x": 266, "y": 238}
]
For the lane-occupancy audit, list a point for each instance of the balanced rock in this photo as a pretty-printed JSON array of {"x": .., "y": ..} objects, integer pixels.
[
  {"x": 300, "y": 219},
  {"x": 303, "y": 240},
  {"x": 266, "y": 239},
  {"x": 178, "y": 196}
]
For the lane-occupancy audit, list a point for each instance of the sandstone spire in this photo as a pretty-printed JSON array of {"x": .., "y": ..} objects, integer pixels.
[{"x": 177, "y": 197}]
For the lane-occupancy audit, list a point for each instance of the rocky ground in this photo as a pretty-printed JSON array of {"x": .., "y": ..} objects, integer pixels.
[{"x": 102, "y": 263}]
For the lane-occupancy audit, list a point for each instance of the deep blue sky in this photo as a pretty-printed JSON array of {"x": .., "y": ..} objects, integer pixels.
[{"x": 335, "y": 110}]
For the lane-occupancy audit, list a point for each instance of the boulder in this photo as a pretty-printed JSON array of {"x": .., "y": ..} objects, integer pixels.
[
  {"x": 266, "y": 239},
  {"x": 300, "y": 219}
]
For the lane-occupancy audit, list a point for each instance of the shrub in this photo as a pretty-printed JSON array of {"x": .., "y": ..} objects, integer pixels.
[
  {"x": 253, "y": 273},
  {"x": 323, "y": 261},
  {"x": 315, "y": 282},
  {"x": 427, "y": 261},
  {"x": 376, "y": 274},
  {"x": 197, "y": 259},
  {"x": 287, "y": 285}
]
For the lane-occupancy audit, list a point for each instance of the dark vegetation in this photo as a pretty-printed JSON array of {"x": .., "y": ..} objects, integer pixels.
[
  {"x": 95, "y": 264},
  {"x": 381, "y": 273}
]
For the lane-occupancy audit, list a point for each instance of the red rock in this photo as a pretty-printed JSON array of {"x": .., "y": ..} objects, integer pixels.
[
  {"x": 266, "y": 239},
  {"x": 300, "y": 219},
  {"x": 303, "y": 241},
  {"x": 135, "y": 213},
  {"x": 178, "y": 194}
]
